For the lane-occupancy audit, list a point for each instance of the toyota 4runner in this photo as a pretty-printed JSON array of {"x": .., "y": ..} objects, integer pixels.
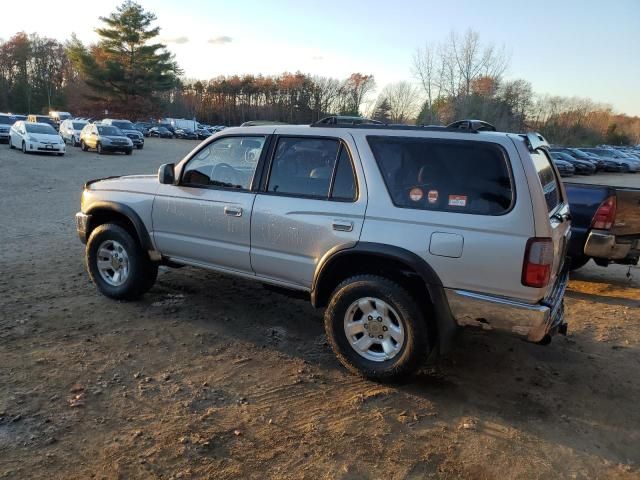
[{"x": 402, "y": 234}]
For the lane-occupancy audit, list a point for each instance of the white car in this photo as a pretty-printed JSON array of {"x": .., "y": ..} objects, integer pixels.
[
  {"x": 36, "y": 137},
  {"x": 70, "y": 131}
]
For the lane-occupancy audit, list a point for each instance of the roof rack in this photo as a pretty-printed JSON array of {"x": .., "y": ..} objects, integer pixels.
[
  {"x": 477, "y": 125},
  {"x": 461, "y": 126}
]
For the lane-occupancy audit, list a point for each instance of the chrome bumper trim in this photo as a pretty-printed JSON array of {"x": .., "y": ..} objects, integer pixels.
[
  {"x": 495, "y": 313},
  {"x": 601, "y": 244},
  {"x": 82, "y": 220}
]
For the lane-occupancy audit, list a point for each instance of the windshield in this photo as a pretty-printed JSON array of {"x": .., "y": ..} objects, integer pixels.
[
  {"x": 43, "y": 129},
  {"x": 7, "y": 120},
  {"x": 109, "y": 131},
  {"x": 123, "y": 124},
  {"x": 78, "y": 125}
]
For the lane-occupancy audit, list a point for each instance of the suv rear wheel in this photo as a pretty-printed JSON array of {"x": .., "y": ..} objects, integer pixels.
[
  {"x": 117, "y": 265},
  {"x": 376, "y": 328}
]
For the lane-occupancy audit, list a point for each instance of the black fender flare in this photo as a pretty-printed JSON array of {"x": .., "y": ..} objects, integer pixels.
[
  {"x": 446, "y": 323},
  {"x": 134, "y": 218}
]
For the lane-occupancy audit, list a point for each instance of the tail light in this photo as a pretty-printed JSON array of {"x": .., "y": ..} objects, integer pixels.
[
  {"x": 605, "y": 215},
  {"x": 538, "y": 261}
]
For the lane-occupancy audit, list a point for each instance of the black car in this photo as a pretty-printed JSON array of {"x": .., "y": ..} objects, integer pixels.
[
  {"x": 565, "y": 168},
  {"x": 143, "y": 128},
  {"x": 577, "y": 154},
  {"x": 203, "y": 133},
  {"x": 160, "y": 132},
  {"x": 609, "y": 164},
  {"x": 186, "y": 134},
  {"x": 582, "y": 167}
]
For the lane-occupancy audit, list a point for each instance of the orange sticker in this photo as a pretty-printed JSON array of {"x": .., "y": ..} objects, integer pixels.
[
  {"x": 416, "y": 194},
  {"x": 432, "y": 196},
  {"x": 457, "y": 200}
]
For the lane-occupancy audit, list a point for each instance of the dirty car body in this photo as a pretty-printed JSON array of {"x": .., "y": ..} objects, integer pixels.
[{"x": 383, "y": 227}]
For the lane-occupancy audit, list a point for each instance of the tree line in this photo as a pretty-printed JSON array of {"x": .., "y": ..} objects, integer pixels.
[{"x": 128, "y": 73}]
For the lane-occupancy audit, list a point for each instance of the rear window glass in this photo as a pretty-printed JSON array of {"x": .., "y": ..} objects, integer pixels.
[
  {"x": 548, "y": 179},
  {"x": 455, "y": 176}
]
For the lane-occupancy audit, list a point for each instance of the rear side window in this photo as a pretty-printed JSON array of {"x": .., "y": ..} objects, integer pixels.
[
  {"x": 312, "y": 167},
  {"x": 454, "y": 176},
  {"x": 547, "y": 178}
]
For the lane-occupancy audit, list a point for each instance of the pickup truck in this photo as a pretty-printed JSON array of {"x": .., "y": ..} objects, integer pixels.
[{"x": 605, "y": 224}]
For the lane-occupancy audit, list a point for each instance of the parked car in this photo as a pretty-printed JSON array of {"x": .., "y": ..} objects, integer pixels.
[
  {"x": 628, "y": 165},
  {"x": 605, "y": 224},
  {"x": 186, "y": 134},
  {"x": 128, "y": 129},
  {"x": 5, "y": 125},
  {"x": 565, "y": 168},
  {"x": 580, "y": 155},
  {"x": 608, "y": 164},
  {"x": 35, "y": 137},
  {"x": 105, "y": 138},
  {"x": 581, "y": 167},
  {"x": 42, "y": 119},
  {"x": 143, "y": 128},
  {"x": 70, "y": 131},
  {"x": 203, "y": 134},
  {"x": 59, "y": 117},
  {"x": 161, "y": 132},
  {"x": 403, "y": 234}
]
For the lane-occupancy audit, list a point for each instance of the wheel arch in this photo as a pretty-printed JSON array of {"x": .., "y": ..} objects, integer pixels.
[
  {"x": 107, "y": 211},
  {"x": 396, "y": 263}
]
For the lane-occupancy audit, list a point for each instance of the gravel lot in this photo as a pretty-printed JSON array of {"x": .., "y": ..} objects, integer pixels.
[{"x": 214, "y": 377}]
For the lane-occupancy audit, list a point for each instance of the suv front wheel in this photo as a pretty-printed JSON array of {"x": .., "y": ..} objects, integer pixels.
[
  {"x": 376, "y": 328},
  {"x": 117, "y": 265}
]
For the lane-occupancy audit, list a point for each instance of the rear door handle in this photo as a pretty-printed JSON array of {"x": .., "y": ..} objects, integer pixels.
[
  {"x": 342, "y": 225},
  {"x": 233, "y": 211}
]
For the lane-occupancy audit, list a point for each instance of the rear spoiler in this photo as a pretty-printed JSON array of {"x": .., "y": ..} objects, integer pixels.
[{"x": 534, "y": 141}]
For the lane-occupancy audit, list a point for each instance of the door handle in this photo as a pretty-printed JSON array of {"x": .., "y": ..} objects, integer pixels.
[
  {"x": 233, "y": 211},
  {"x": 342, "y": 225}
]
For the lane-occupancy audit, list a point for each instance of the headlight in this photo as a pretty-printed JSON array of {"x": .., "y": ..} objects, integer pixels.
[{"x": 106, "y": 141}]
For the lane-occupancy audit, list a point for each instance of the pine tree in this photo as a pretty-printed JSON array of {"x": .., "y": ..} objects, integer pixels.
[
  {"x": 126, "y": 65},
  {"x": 382, "y": 112}
]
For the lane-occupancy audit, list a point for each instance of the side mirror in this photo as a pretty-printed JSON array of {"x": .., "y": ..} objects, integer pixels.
[{"x": 166, "y": 174}]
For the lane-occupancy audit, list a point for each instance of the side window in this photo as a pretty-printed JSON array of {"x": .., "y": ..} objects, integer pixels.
[
  {"x": 229, "y": 162},
  {"x": 453, "y": 176},
  {"x": 344, "y": 183},
  {"x": 303, "y": 166},
  {"x": 547, "y": 178}
]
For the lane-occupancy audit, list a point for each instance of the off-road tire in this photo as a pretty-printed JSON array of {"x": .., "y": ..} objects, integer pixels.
[
  {"x": 129, "y": 151},
  {"x": 143, "y": 272},
  {"x": 416, "y": 344},
  {"x": 139, "y": 147}
]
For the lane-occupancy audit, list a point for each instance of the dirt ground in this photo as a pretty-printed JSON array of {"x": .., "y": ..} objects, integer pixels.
[{"x": 214, "y": 377}]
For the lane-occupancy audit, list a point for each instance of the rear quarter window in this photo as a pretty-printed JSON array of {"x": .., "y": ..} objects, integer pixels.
[
  {"x": 445, "y": 175},
  {"x": 548, "y": 179}
]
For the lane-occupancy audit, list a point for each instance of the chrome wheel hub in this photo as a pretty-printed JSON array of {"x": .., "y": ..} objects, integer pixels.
[
  {"x": 113, "y": 263},
  {"x": 374, "y": 329}
]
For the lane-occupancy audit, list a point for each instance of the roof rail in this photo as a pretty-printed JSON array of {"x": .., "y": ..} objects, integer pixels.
[
  {"x": 344, "y": 120},
  {"x": 477, "y": 125}
]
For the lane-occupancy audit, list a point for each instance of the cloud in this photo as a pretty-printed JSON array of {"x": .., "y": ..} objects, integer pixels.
[
  {"x": 178, "y": 40},
  {"x": 221, "y": 40}
]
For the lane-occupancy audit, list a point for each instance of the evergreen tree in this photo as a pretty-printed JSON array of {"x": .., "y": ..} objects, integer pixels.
[
  {"x": 382, "y": 112},
  {"x": 126, "y": 65}
]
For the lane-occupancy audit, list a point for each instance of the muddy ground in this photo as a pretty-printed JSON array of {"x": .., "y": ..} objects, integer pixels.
[{"x": 214, "y": 377}]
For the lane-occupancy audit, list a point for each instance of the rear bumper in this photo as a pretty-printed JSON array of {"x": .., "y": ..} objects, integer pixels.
[
  {"x": 534, "y": 322},
  {"x": 602, "y": 244}
]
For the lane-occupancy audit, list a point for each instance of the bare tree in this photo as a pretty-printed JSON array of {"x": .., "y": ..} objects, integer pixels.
[
  {"x": 425, "y": 70},
  {"x": 403, "y": 99}
]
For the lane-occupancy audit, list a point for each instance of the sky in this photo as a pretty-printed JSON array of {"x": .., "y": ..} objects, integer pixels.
[{"x": 583, "y": 48}]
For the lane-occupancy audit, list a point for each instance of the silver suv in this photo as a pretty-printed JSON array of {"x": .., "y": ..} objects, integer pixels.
[{"x": 402, "y": 234}]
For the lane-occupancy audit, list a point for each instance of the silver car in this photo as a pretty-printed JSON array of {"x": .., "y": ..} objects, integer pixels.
[
  {"x": 402, "y": 234},
  {"x": 70, "y": 130}
]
